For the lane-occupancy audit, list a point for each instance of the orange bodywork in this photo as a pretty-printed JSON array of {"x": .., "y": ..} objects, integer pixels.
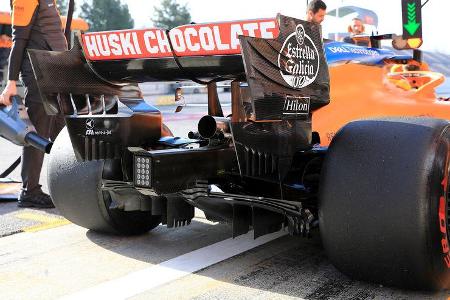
[
  {"x": 77, "y": 24},
  {"x": 5, "y": 18},
  {"x": 361, "y": 91}
]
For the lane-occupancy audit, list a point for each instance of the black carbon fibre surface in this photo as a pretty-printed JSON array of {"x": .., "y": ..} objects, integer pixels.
[
  {"x": 288, "y": 79},
  {"x": 106, "y": 136},
  {"x": 67, "y": 73},
  {"x": 266, "y": 149},
  {"x": 206, "y": 68},
  {"x": 281, "y": 68}
]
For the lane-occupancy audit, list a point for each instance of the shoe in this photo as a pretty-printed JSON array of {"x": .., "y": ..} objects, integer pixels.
[{"x": 38, "y": 199}]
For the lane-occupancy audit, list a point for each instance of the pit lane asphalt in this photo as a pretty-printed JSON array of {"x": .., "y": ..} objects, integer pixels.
[
  {"x": 61, "y": 259},
  {"x": 67, "y": 260}
]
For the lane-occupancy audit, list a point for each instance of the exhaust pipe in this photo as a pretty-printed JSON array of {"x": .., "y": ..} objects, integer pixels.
[
  {"x": 210, "y": 127},
  {"x": 16, "y": 127}
]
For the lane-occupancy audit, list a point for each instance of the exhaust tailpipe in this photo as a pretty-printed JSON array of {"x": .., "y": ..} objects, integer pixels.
[{"x": 210, "y": 127}]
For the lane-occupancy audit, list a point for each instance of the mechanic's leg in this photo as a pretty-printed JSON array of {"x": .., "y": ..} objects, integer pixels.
[
  {"x": 32, "y": 158},
  {"x": 57, "y": 124}
]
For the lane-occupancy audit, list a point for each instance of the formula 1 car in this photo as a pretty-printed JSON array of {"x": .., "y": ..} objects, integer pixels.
[
  {"x": 376, "y": 85},
  {"x": 378, "y": 193}
]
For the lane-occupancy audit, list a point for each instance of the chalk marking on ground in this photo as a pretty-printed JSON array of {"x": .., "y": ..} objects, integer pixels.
[{"x": 141, "y": 281}]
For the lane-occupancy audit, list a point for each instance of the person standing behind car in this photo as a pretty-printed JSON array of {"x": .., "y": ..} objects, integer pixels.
[
  {"x": 36, "y": 24},
  {"x": 317, "y": 9}
]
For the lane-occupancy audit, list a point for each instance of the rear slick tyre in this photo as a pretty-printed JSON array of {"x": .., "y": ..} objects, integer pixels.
[
  {"x": 383, "y": 202},
  {"x": 75, "y": 188}
]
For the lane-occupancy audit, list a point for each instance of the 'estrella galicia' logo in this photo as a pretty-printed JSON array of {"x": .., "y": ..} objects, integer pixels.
[
  {"x": 300, "y": 35},
  {"x": 299, "y": 59}
]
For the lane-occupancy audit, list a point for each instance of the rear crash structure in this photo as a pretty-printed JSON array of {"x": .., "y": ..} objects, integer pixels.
[{"x": 119, "y": 169}]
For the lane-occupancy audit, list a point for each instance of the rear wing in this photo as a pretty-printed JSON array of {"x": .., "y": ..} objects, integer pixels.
[
  {"x": 105, "y": 66},
  {"x": 198, "y": 52},
  {"x": 183, "y": 41},
  {"x": 209, "y": 39}
]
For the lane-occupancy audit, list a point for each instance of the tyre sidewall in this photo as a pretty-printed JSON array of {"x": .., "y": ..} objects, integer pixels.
[
  {"x": 379, "y": 202},
  {"x": 437, "y": 200}
]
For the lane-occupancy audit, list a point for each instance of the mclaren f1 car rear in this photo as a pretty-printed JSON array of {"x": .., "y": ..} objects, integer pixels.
[
  {"x": 261, "y": 159},
  {"x": 382, "y": 211}
]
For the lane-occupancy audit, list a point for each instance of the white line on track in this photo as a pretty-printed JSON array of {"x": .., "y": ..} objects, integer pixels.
[{"x": 140, "y": 281}]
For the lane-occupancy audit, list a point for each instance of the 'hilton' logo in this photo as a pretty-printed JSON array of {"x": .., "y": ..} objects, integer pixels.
[{"x": 296, "y": 105}]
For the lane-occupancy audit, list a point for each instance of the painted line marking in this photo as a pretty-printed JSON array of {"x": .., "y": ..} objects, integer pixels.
[
  {"x": 180, "y": 118},
  {"x": 141, "y": 281},
  {"x": 55, "y": 224},
  {"x": 47, "y": 221},
  {"x": 165, "y": 100}
]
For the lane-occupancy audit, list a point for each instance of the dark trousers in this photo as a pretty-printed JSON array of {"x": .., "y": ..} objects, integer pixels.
[
  {"x": 46, "y": 126},
  {"x": 4, "y": 54}
]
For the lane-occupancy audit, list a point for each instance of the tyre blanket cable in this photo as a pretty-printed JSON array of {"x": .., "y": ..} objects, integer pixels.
[
  {"x": 11, "y": 168},
  {"x": 183, "y": 70}
]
